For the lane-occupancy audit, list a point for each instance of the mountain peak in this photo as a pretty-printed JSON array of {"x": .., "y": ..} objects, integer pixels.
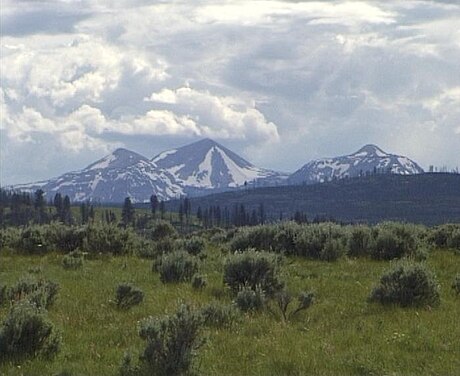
[
  {"x": 120, "y": 158},
  {"x": 370, "y": 149},
  {"x": 370, "y": 159},
  {"x": 205, "y": 143},
  {"x": 205, "y": 164}
]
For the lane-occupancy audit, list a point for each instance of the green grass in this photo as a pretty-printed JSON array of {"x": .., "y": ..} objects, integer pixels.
[{"x": 340, "y": 334}]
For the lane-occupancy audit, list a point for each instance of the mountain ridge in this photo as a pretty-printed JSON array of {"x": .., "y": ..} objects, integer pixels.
[
  {"x": 204, "y": 167},
  {"x": 369, "y": 159},
  {"x": 206, "y": 164}
]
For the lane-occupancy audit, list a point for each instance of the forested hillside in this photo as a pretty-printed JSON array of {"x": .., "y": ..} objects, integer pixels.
[{"x": 430, "y": 198}]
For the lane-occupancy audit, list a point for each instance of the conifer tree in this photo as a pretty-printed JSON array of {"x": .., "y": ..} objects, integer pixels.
[
  {"x": 154, "y": 204},
  {"x": 127, "y": 213}
]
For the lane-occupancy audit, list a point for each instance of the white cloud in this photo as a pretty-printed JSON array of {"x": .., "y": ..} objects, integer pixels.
[
  {"x": 73, "y": 73},
  {"x": 321, "y": 77},
  {"x": 220, "y": 117},
  {"x": 256, "y": 12}
]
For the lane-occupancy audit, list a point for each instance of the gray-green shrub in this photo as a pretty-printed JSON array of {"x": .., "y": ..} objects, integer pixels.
[
  {"x": 284, "y": 298},
  {"x": 34, "y": 240},
  {"x": 42, "y": 293},
  {"x": 127, "y": 295},
  {"x": 395, "y": 240},
  {"x": 407, "y": 284},
  {"x": 332, "y": 250},
  {"x": 3, "y": 294},
  {"x": 178, "y": 266},
  {"x": 322, "y": 240},
  {"x": 172, "y": 343},
  {"x": 456, "y": 284},
  {"x": 454, "y": 239},
  {"x": 66, "y": 238},
  {"x": 163, "y": 230},
  {"x": 445, "y": 236},
  {"x": 26, "y": 332},
  {"x": 359, "y": 241},
  {"x": 199, "y": 281},
  {"x": 250, "y": 300},
  {"x": 109, "y": 238},
  {"x": 253, "y": 269},
  {"x": 73, "y": 260},
  {"x": 219, "y": 315},
  {"x": 195, "y": 245}
]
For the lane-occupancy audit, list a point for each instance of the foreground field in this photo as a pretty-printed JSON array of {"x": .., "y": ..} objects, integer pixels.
[{"x": 340, "y": 334}]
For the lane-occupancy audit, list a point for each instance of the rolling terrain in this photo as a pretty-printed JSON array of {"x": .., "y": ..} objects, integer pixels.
[{"x": 430, "y": 198}]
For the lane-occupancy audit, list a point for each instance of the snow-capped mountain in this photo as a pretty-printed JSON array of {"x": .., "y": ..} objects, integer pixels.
[
  {"x": 206, "y": 165},
  {"x": 112, "y": 178},
  {"x": 367, "y": 160}
]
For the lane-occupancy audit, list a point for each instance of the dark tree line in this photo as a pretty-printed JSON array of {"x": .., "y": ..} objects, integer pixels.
[
  {"x": 238, "y": 215},
  {"x": 21, "y": 208}
]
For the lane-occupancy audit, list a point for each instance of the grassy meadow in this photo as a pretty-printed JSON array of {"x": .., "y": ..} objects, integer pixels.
[{"x": 341, "y": 334}]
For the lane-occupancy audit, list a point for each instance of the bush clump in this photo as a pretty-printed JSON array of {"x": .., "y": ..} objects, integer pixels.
[
  {"x": 199, "y": 281},
  {"x": 445, "y": 236},
  {"x": 178, "y": 266},
  {"x": 395, "y": 240},
  {"x": 163, "y": 230},
  {"x": 259, "y": 237},
  {"x": 324, "y": 241},
  {"x": 34, "y": 240},
  {"x": 195, "y": 245},
  {"x": 456, "y": 284},
  {"x": 219, "y": 315},
  {"x": 407, "y": 284},
  {"x": 249, "y": 300},
  {"x": 332, "y": 250},
  {"x": 359, "y": 241},
  {"x": 109, "y": 238},
  {"x": 3, "y": 294},
  {"x": 127, "y": 295},
  {"x": 66, "y": 238},
  {"x": 253, "y": 269},
  {"x": 172, "y": 344},
  {"x": 73, "y": 260},
  {"x": 42, "y": 293},
  {"x": 284, "y": 298},
  {"x": 26, "y": 333}
]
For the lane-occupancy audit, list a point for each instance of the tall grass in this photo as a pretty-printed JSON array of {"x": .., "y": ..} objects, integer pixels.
[{"x": 340, "y": 334}]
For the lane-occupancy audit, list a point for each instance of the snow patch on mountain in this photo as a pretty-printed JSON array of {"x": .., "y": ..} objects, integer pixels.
[
  {"x": 207, "y": 165},
  {"x": 367, "y": 160},
  {"x": 112, "y": 178}
]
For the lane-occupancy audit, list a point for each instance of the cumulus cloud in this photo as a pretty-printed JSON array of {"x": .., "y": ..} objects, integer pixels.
[
  {"x": 315, "y": 78},
  {"x": 220, "y": 117}
]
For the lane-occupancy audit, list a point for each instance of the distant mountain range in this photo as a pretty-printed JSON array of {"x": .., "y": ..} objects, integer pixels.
[
  {"x": 201, "y": 168},
  {"x": 369, "y": 159}
]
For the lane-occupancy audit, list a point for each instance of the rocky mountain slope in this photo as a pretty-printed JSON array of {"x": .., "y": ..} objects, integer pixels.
[
  {"x": 112, "y": 178},
  {"x": 201, "y": 168},
  {"x": 369, "y": 159},
  {"x": 206, "y": 165}
]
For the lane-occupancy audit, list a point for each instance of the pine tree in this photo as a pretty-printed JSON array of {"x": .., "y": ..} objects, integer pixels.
[
  {"x": 66, "y": 211},
  {"x": 57, "y": 202},
  {"x": 154, "y": 204},
  {"x": 84, "y": 213},
  {"x": 162, "y": 209},
  {"x": 39, "y": 206},
  {"x": 127, "y": 213},
  {"x": 181, "y": 212}
]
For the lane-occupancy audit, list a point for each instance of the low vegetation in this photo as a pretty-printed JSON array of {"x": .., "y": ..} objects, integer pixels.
[
  {"x": 127, "y": 296},
  {"x": 263, "y": 297},
  {"x": 407, "y": 284}
]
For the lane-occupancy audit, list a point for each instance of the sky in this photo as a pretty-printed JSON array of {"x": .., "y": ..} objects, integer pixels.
[{"x": 278, "y": 82}]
